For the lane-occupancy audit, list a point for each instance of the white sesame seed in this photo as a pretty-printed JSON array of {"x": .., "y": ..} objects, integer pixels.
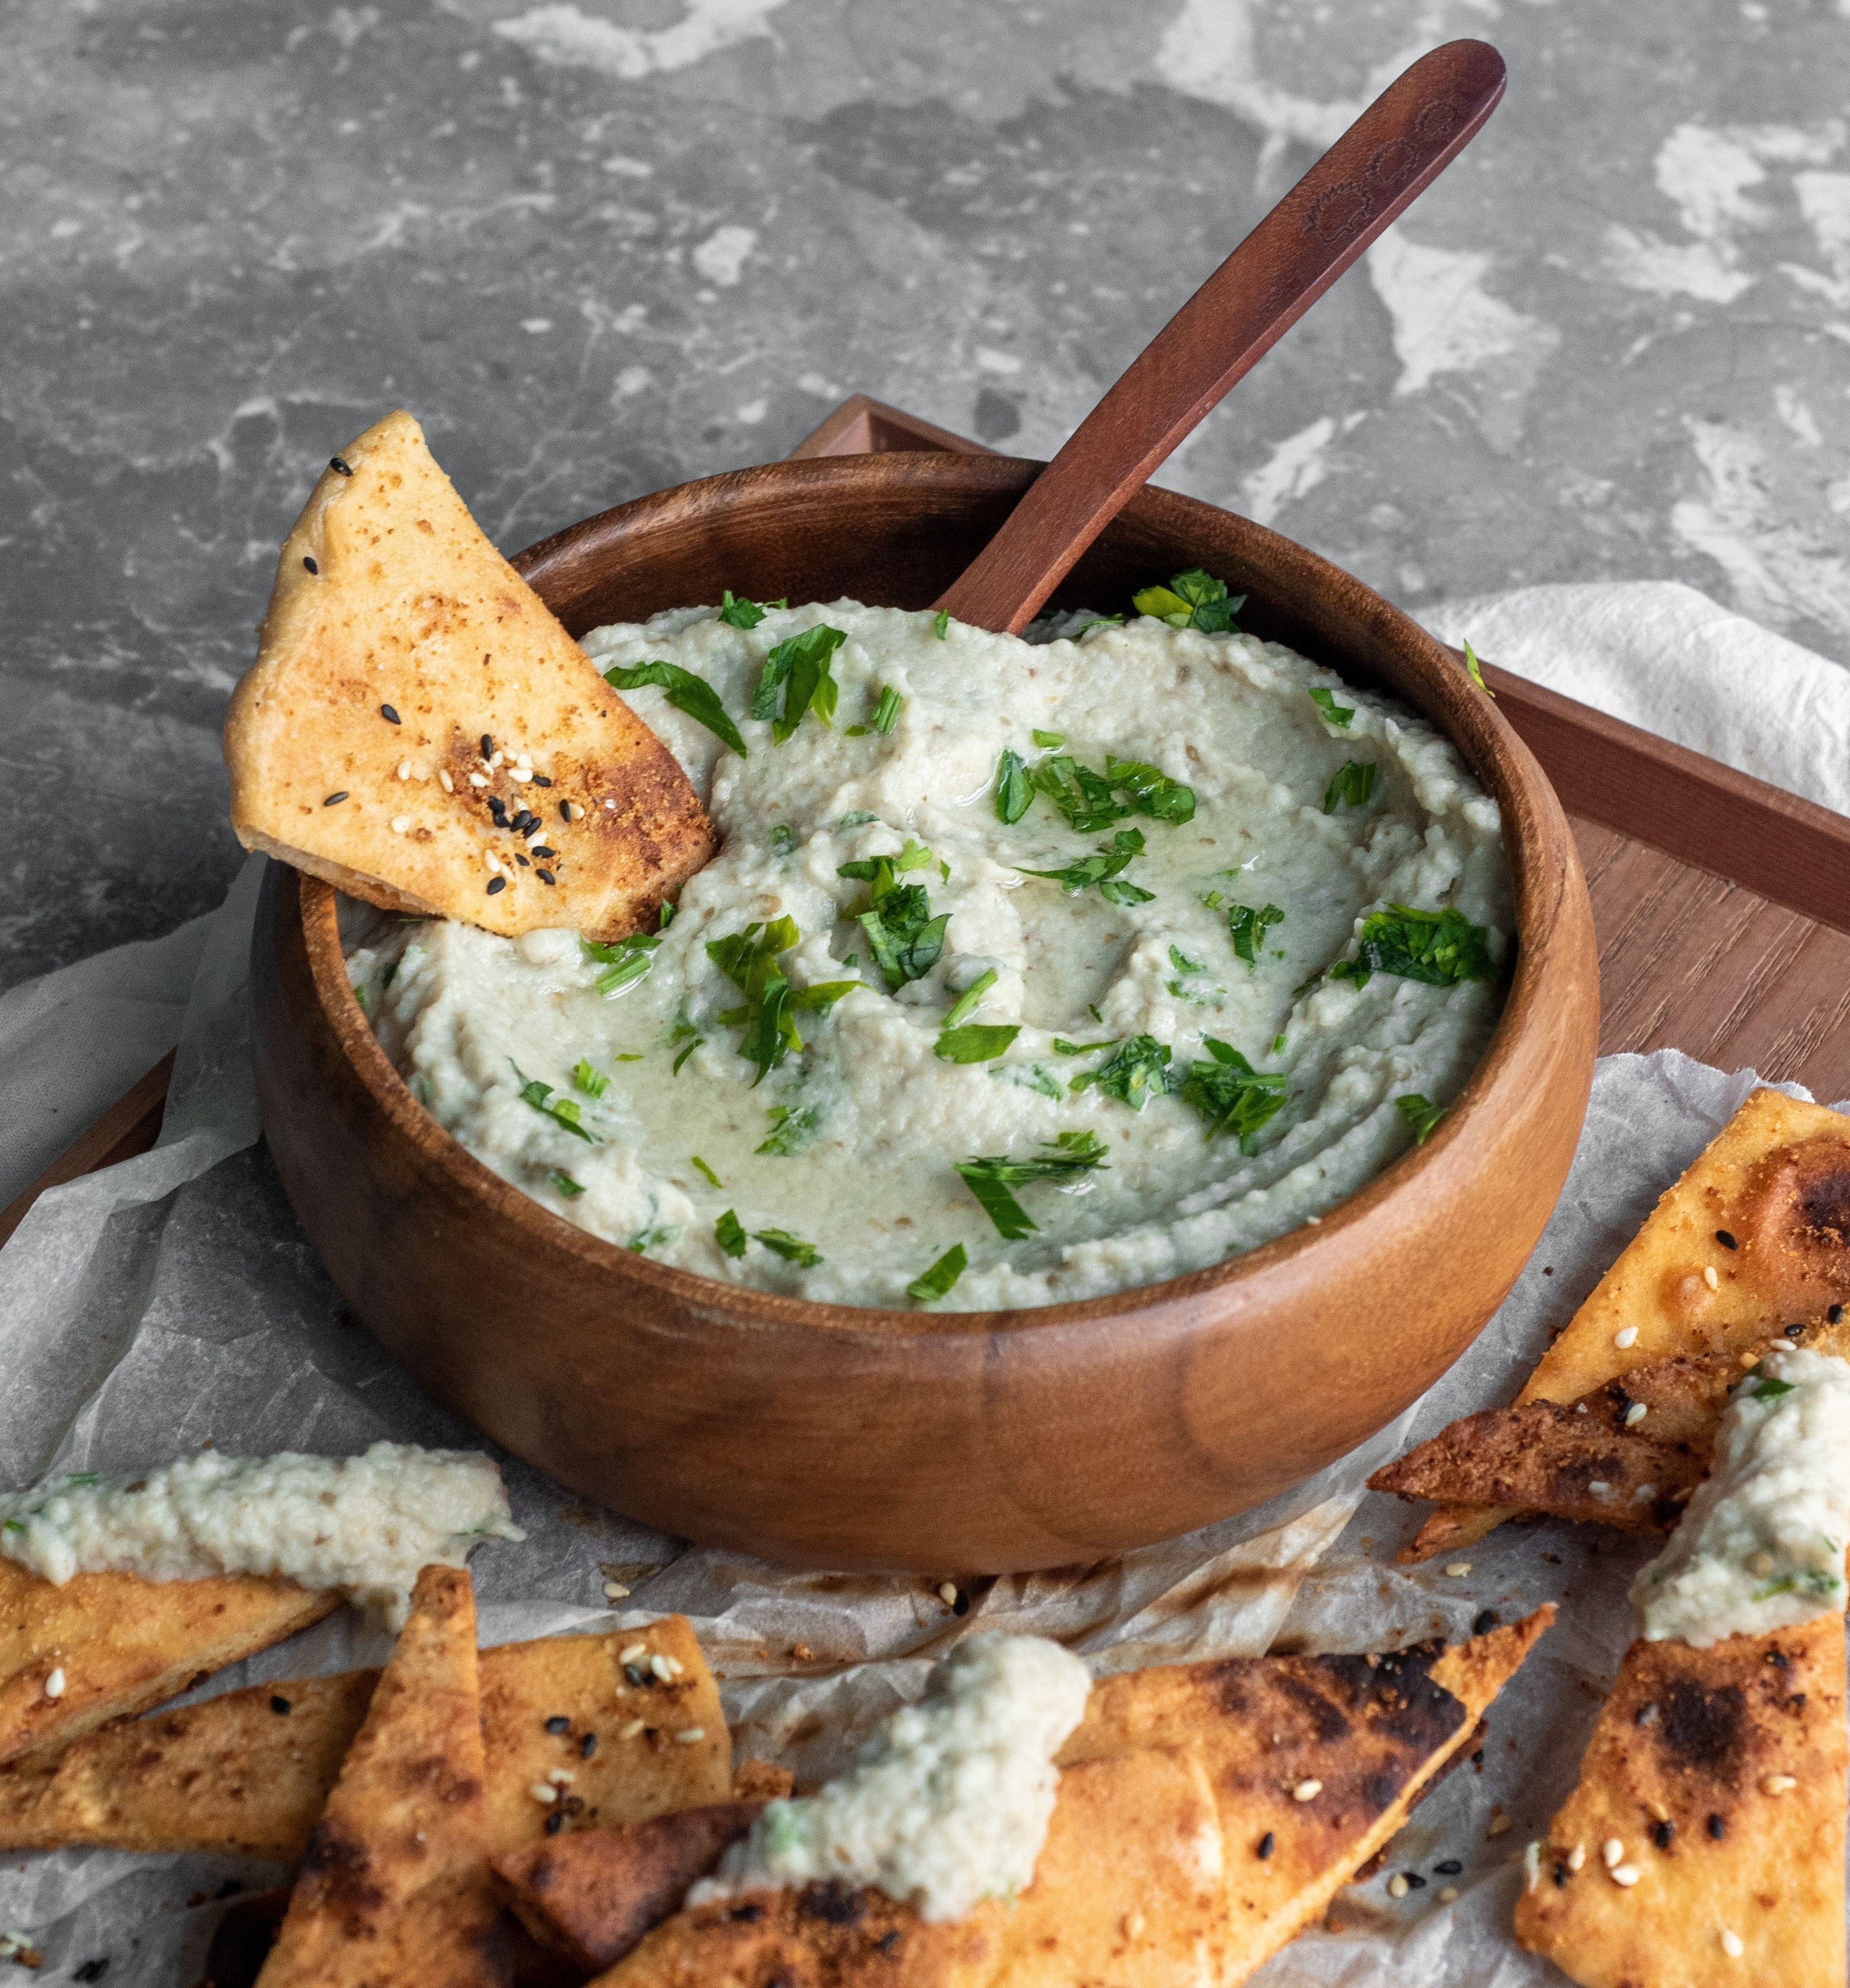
[
  {"x": 443, "y": 774},
  {"x": 1307, "y": 1790},
  {"x": 659, "y": 1664},
  {"x": 1134, "y": 1923},
  {"x": 399, "y": 824},
  {"x": 611, "y": 806},
  {"x": 560, "y": 1778},
  {"x": 1397, "y": 1886},
  {"x": 1644, "y": 1494},
  {"x": 479, "y": 779},
  {"x": 1709, "y": 1278},
  {"x": 632, "y": 1730},
  {"x": 54, "y": 1684},
  {"x": 1627, "y": 1874},
  {"x": 1731, "y": 1943},
  {"x": 523, "y": 764},
  {"x": 691, "y": 1735},
  {"x": 634, "y": 1653},
  {"x": 1532, "y": 1867},
  {"x": 404, "y": 769},
  {"x": 543, "y": 1792},
  {"x": 947, "y": 1593},
  {"x": 614, "y": 1591},
  {"x": 494, "y": 760},
  {"x": 1774, "y": 1784},
  {"x": 1577, "y": 1857},
  {"x": 675, "y": 1664},
  {"x": 1600, "y": 1488},
  {"x": 1611, "y": 1851},
  {"x": 1627, "y": 1335},
  {"x": 1458, "y": 1568},
  {"x": 1448, "y": 1894},
  {"x": 538, "y": 837},
  {"x": 520, "y": 774},
  {"x": 1500, "y": 1824},
  {"x": 493, "y": 860},
  {"x": 1634, "y": 1415}
]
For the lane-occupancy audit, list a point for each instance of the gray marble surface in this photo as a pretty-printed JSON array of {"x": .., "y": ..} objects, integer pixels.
[{"x": 598, "y": 246}]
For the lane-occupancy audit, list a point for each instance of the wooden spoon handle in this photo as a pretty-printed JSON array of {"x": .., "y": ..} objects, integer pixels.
[{"x": 1389, "y": 156}]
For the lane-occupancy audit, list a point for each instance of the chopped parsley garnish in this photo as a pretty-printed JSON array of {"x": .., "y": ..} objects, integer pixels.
[
  {"x": 688, "y": 1036},
  {"x": 625, "y": 961},
  {"x": 1352, "y": 783},
  {"x": 936, "y": 1283},
  {"x": 571, "y": 1189},
  {"x": 749, "y": 960},
  {"x": 1137, "y": 1070},
  {"x": 1101, "y": 868},
  {"x": 805, "y": 1255},
  {"x": 857, "y": 818},
  {"x": 965, "y": 1005},
  {"x": 1188, "y": 971},
  {"x": 562, "y": 1112},
  {"x": 1440, "y": 948},
  {"x": 1247, "y": 929},
  {"x": 1031, "y": 1076},
  {"x": 1231, "y": 1094},
  {"x": 647, "y": 1239},
  {"x": 886, "y": 712},
  {"x": 1475, "y": 671},
  {"x": 1014, "y": 791},
  {"x": 1097, "y": 621},
  {"x": 1192, "y": 599},
  {"x": 1151, "y": 790},
  {"x": 1063, "y": 1047},
  {"x": 737, "y": 613},
  {"x": 686, "y": 692},
  {"x": 590, "y": 1079},
  {"x": 782, "y": 839},
  {"x": 795, "y": 678},
  {"x": 941, "y": 622},
  {"x": 1182, "y": 963},
  {"x": 1048, "y": 741},
  {"x": 729, "y": 1232},
  {"x": 976, "y": 1042},
  {"x": 702, "y": 1167},
  {"x": 1766, "y": 1389},
  {"x": 792, "y": 1128},
  {"x": 991, "y": 1179},
  {"x": 1422, "y": 1115},
  {"x": 906, "y": 941},
  {"x": 1325, "y": 701}
]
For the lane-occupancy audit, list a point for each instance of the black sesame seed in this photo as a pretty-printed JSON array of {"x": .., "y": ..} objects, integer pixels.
[
  {"x": 565, "y": 810},
  {"x": 334, "y": 800},
  {"x": 522, "y": 821},
  {"x": 745, "y": 1915},
  {"x": 540, "y": 780},
  {"x": 540, "y": 849},
  {"x": 559, "y": 1723},
  {"x": 279, "y": 1704},
  {"x": 91, "y": 1970},
  {"x": 1795, "y": 1332},
  {"x": 636, "y": 1675},
  {"x": 962, "y": 1605},
  {"x": 390, "y": 716},
  {"x": 497, "y": 885},
  {"x": 587, "y": 1746},
  {"x": 308, "y": 565},
  {"x": 1661, "y": 1834},
  {"x": 1263, "y": 1850},
  {"x": 545, "y": 876},
  {"x": 888, "y": 1942},
  {"x": 554, "y": 1823},
  {"x": 1726, "y": 1240},
  {"x": 1414, "y": 1881},
  {"x": 1560, "y": 1877},
  {"x": 1835, "y": 1315},
  {"x": 524, "y": 863},
  {"x": 1717, "y": 1829},
  {"x": 1477, "y": 1759},
  {"x": 1777, "y": 1658},
  {"x": 1450, "y": 1868},
  {"x": 1485, "y": 1619},
  {"x": 338, "y": 467},
  {"x": 488, "y": 746},
  {"x": 1646, "y": 1715}
]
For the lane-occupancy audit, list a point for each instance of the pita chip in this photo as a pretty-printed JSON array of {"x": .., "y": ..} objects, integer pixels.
[
  {"x": 1752, "y": 1244},
  {"x": 1719, "y": 1776},
  {"x": 394, "y": 1885},
  {"x": 413, "y": 697},
  {"x": 103, "y": 1645}
]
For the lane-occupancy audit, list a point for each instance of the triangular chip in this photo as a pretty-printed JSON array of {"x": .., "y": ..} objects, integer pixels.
[
  {"x": 394, "y": 1886},
  {"x": 1206, "y": 1813},
  {"x": 103, "y": 1645},
  {"x": 413, "y": 699},
  {"x": 1704, "y": 1842},
  {"x": 1753, "y": 1238},
  {"x": 249, "y": 1771}
]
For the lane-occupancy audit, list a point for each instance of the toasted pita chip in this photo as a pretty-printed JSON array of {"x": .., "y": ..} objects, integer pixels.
[
  {"x": 1774, "y": 1182},
  {"x": 233, "y": 1773},
  {"x": 1720, "y": 1773},
  {"x": 758, "y": 1780},
  {"x": 113, "y": 1644},
  {"x": 399, "y": 640},
  {"x": 394, "y": 1885},
  {"x": 1206, "y": 1813}
]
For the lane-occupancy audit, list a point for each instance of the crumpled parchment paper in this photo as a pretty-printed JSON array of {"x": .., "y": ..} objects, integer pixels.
[{"x": 171, "y": 1301}]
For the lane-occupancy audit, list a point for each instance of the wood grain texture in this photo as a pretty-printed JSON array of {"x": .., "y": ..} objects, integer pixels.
[
  {"x": 857, "y": 1438},
  {"x": 130, "y": 1125},
  {"x": 1386, "y": 159}
]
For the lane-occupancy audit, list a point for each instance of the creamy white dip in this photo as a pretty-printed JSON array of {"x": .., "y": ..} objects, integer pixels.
[
  {"x": 365, "y": 1525},
  {"x": 947, "y": 1803},
  {"x": 1761, "y": 1546},
  {"x": 846, "y": 1153}
]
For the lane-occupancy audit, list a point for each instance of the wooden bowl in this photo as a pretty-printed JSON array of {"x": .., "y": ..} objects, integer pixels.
[{"x": 956, "y": 1442}]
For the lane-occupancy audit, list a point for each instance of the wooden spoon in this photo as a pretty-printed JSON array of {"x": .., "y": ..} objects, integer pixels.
[{"x": 1385, "y": 159}]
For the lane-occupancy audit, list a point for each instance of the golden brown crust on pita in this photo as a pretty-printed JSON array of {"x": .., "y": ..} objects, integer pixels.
[
  {"x": 1685, "y": 1772},
  {"x": 758, "y": 1780},
  {"x": 1775, "y": 1181},
  {"x": 124, "y": 1644},
  {"x": 388, "y": 595},
  {"x": 394, "y": 1884}
]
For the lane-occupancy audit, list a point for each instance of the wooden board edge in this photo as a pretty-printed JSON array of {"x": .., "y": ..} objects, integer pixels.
[{"x": 130, "y": 1125}]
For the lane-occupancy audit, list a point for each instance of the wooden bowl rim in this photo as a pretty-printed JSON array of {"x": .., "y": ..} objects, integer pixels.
[{"x": 1470, "y": 722}]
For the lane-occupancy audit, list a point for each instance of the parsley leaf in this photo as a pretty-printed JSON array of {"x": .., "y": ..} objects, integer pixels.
[
  {"x": 1014, "y": 791},
  {"x": 562, "y": 1112},
  {"x": 1247, "y": 928},
  {"x": 792, "y": 1127},
  {"x": 1766, "y": 1389},
  {"x": 990, "y": 1179},
  {"x": 627, "y": 960},
  {"x": 906, "y": 941},
  {"x": 589, "y": 1079},
  {"x": 737, "y": 613},
  {"x": 706, "y": 1171},
  {"x": 1048, "y": 741},
  {"x": 1084, "y": 797},
  {"x": 805, "y": 1255},
  {"x": 749, "y": 960},
  {"x": 856, "y": 818},
  {"x": 795, "y": 678},
  {"x": 1192, "y": 599},
  {"x": 729, "y": 1232},
  {"x": 1422, "y": 1115},
  {"x": 1089, "y": 800},
  {"x": 976, "y": 1042},
  {"x": 571, "y": 1189},
  {"x": 1101, "y": 867},
  {"x": 886, "y": 712},
  {"x": 1439, "y": 948},
  {"x": 1353, "y": 781},
  {"x": 966, "y": 1004},
  {"x": 936, "y": 1282},
  {"x": 1063, "y": 1047},
  {"x": 684, "y": 1033},
  {"x": 1231, "y": 1094},
  {"x": 1325, "y": 701},
  {"x": 1475, "y": 671},
  {"x": 1031, "y": 1076},
  {"x": 941, "y": 624},
  {"x": 686, "y": 692},
  {"x": 1136, "y": 1071},
  {"x": 1151, "y": 790}
]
